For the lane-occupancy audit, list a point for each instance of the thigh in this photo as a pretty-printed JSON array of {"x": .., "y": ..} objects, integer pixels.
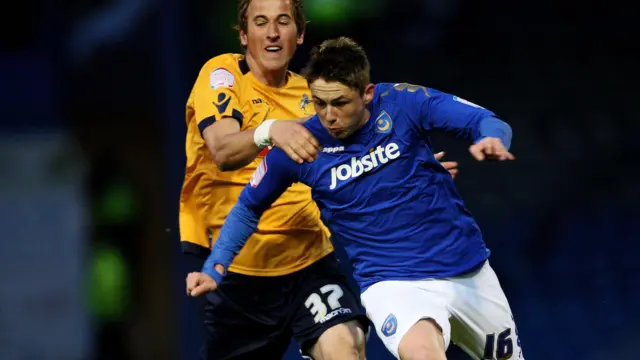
[
  {"x": 482, "y": 321},
  {"x": 246, "y": 318},
  {"x": 395, "y": 306},
  {"x": 325, "y": 299}
]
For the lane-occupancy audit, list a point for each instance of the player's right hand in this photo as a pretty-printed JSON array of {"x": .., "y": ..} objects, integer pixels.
[
  {"x": 199, "y": 283},
  {"x": 295, "y": 140}
]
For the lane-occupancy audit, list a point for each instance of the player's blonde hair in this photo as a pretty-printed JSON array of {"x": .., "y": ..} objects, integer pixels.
[
  {"x": 341, "y": 60},
  {"x": 297, "y": 10}
]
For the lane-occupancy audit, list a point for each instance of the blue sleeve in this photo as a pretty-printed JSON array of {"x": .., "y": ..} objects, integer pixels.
[
  {"x": 464, "y": 119},
  {"x": 273, "y": 176}
]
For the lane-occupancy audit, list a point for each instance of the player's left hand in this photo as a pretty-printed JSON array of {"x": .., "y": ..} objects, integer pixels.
[
  {"x": 199, "y": 283},
  {"x": 490, "y": 148},
  {"x": 451, "y": 166}
]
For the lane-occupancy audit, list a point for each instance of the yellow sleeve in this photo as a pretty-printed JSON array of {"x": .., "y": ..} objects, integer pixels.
[{"x": 216, "y": 93}]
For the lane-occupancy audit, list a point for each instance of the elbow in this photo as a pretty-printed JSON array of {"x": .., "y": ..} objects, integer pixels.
[
  {"x": 221, "y": 160},
  {"x": 224, "y": 161}
]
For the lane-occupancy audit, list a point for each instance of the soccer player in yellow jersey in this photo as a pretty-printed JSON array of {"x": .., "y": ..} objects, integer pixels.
[{"x": 286, "y": 281}]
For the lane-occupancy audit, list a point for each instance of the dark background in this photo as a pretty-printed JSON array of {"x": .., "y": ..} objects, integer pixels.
[{"x": 92, "y": 151}]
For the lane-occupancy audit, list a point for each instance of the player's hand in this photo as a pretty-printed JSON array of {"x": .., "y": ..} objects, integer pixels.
[
  {"x": 295, "y": 140},
  {"x": 199, "y": 283},
  {"x": 451, "y": 166},
  {"x": 490, "y": 148}
]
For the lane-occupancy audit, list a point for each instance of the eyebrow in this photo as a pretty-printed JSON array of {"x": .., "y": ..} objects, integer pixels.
[
  {"x": 339, "y": 98},
  {"x": 266, "y": 18}
]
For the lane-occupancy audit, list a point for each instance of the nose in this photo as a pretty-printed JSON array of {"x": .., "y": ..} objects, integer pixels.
[
  {"x": 273, "y": 32},
  {"x": 332, "y": 114}
]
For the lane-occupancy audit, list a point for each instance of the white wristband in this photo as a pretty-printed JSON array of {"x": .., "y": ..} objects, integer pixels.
[{"x": 261, "y": 135}]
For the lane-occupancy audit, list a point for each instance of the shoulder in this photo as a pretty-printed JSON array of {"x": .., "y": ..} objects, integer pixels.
[
  {"x": 402, "y": 93},
  {"x": 316, "y": 129},
  {"x": 402, "y": 98},
  {"x": 230, "y": 62},
  {"x": 223, "y": 70},
  {"x": 298, "y": 86},
  {"x": 297, "y": 82}
]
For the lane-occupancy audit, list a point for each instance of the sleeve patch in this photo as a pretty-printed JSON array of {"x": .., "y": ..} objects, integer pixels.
[
  {"x": 221, "y": 77},
  {"x": 259, "y": 174},
  {"x": 466, "y": 102}
]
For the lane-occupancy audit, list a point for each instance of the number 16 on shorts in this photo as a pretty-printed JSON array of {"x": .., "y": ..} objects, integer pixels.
[{"x": 500, "y": 346}]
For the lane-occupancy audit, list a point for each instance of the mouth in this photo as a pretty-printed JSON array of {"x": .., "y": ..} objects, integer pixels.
[
  {"x": 273, "y": 49},
  {"x": 336, "y": 131}
]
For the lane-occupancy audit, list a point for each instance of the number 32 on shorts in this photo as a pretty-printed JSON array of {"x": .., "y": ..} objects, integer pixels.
[{"x": 318, "y": 307}]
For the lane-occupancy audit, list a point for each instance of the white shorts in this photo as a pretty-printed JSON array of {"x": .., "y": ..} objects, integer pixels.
[{"x": 472, "y": 311}]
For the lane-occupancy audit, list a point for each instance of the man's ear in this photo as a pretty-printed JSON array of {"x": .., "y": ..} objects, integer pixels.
[
  {"x": 369, "y": 92},
  {"x": 244, "y": 41}
]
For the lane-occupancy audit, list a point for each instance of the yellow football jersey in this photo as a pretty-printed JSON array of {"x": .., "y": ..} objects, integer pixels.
[{"x": 290, "y": 234}]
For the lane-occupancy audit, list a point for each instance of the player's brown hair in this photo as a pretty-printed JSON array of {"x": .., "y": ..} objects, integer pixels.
[
  {"x": 341, "y": 60},
  {"x": 297, "y": 9}
]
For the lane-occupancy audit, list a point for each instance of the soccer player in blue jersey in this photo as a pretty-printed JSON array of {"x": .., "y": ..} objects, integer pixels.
[{"x": 416, "y": 251}]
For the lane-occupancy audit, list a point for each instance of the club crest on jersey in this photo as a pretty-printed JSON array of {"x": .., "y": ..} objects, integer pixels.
[
  {"x": 390, "y": 325},
  {"x": 383, "y": 123},
  {"x": 258, "y": 175},
  {"x": 305, "y": 101},
  {"x": 466, "y": 102}
]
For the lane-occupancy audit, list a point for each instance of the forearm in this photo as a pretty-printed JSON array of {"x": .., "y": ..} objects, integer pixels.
[
  {"x": 240, "y": 224},
  {"x": 234, "y": 151}
]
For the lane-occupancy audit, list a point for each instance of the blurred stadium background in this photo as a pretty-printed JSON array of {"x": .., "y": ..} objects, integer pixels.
[{"x": 91, "y": 162}]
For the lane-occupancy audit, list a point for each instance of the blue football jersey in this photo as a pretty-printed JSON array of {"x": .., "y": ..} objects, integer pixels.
[{"x": 389, "y": 202}]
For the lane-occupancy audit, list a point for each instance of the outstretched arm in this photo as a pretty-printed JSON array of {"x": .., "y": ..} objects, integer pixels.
[
  {"x": 272, "y": 178},
  {"x": 491, "y": 136}
]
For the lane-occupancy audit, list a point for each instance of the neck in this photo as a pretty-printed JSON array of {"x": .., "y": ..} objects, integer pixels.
[
  {"x": 274, "y": 79},
  {"x": 365, "y": 117}
]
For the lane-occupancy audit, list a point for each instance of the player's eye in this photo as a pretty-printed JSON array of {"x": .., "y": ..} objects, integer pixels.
[
  {"x": 284, "y": 20},
  {"x": 260, "y": 21},
  {"x": 319, "y": 103},
  {"x": 339, "y": 103}
]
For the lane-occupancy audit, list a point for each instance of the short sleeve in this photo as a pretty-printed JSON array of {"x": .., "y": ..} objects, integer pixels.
[{"x": 216, "y": 93}]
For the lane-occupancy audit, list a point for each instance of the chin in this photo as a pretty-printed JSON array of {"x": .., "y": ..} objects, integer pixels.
[{"x": 275, "y": 64}]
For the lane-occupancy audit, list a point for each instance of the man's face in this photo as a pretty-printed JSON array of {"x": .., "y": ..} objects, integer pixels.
[
  {"x": 272, "y": 34},
  {"x": 341, "y": 109}
]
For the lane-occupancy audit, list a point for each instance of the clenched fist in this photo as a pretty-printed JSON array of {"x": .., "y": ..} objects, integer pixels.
[{"x": 199, "y": 283}]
